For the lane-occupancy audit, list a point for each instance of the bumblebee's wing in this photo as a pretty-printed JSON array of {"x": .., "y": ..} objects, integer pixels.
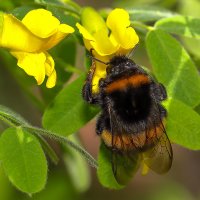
[
  {"x": 124, "y": 165},
  {"x": 159, "y": 156}
]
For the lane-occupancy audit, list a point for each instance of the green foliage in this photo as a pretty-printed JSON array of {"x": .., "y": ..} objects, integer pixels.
[
  {"x": 64, "y": 112},
  {"x": 105, "y": 173},
  {"x": 183, "y": 124},
  {"x": 148, "y": 14},
  {"x": 23, "y": 160},
  {"x": 125, "y": 166},
  {"x": 20, "y": 138},
  {"x": 180, "y": 25},
  {"x": 69, "y": 110},
  {"x": 173, "y": 67},
  {"x": 77, "y": 167},
  {"x": 11, "y": 116},
  {"x": 21, "y": 11},
  {"x": 58, "y": 187}
]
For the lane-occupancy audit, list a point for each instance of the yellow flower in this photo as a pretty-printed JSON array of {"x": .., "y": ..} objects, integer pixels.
[
  {"x": 28, "y": 40},
  {"x": 108, "y": 39}
]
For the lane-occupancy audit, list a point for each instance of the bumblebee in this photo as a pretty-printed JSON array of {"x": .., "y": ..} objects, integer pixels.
[{"x": 132, "y": 119}]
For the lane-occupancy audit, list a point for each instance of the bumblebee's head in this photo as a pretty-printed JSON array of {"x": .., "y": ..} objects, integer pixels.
[{"x": 119, "y": 65}]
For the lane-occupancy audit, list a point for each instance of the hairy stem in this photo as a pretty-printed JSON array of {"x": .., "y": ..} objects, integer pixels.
[
  {"x": 71, "y": 7},
  {"x": 141, "y": 25},
  {"x": 13, "y": 122},
  {"x": 64, "y": 140}
]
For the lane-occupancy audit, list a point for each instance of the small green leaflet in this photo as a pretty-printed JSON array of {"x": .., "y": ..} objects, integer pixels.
[
  {"x": 23, "y": 160},
  {"x": 104, "y": 171},
  {"x": 148, "y": 13},
  {"x": 183, "y": 124},
  {"x": 68, "y": 112},
  {"x": 180, "y": 25},
  {"x": 173, "y": 67}
]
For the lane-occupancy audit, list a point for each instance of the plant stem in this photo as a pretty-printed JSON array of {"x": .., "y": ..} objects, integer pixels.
[
  {"x": 71, "y": 7},
  {"x": 63, "y": 140},
  {"x": 7, "y": 121},
  {"x": 48, "y": 149},
  {"x": 13, "y": 122},
  {"x": 141, "y": 25}
]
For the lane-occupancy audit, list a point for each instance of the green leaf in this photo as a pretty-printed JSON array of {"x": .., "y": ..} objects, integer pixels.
[
  {"x": 7, "y": 191},
  {"x": 87, "y": 60},
  {"x": 68, "y": 112},
  {"x": 48, "y": 149},
  {"x": 173, "y": 67},
  {"x": 64, "y": 17},
  {"x": 183, "y": 124},
  {"x": 64, "y": 140},
  {"x": 125, "y": 167},
  {"x": 104, "y": 170},
  {"x": 148, "y": 13},
  {"x": 193, "y": 46},
  {"x": 23, "y": 160},
  {"x": 77, "y": 167},
  {"x": 181, "y": 25},
  {"x": 21, "y": 11},
  {"x": 69, "y": 6},
  {"x": 59, "y": 187},
  {"x": 190, "y": 7},
  {"x": 64, "y": 55},
  {"x": 197, "y": 109}
]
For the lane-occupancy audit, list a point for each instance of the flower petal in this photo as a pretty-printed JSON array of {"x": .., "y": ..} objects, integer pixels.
[
  {"x": 118, "y": 17},
  {"x": 102, "y": 44},
  {"x": 84, "y": 32},
  {"x": 50, "y": 71},
  {"x": 32, "y": 63},
  {"x": 92, "y": 20},
  {"x": 62, "y": 31},
  {"x": 49, "y": 64},
  {"x": 14, "y": 35},
  {"x": 118, "y": 22},
  {"x": 51, "y": 81},
  {"x": 41, "y": 22},
  {"x": 100, "y": 71},
  {"x": 86, "y": 35},
  {"x": 99, "y": 41}
]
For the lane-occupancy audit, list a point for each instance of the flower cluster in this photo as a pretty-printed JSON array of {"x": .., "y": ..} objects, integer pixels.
[
  {"x": 107, "y": 39},
  {"x": 28, "y": 40}
]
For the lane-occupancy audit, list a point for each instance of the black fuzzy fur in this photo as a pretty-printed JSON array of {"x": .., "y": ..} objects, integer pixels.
[{"x": 131, "y": 110}]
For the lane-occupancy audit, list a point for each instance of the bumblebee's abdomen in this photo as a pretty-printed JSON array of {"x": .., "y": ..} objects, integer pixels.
[{"x": 133, "y": 142}]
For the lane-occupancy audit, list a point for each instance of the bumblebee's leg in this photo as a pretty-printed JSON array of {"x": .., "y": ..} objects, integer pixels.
[
  {"x": 87, "y": 88},
  {"x": 100, "y": 125},
  {"x": 159, "y": 91}
]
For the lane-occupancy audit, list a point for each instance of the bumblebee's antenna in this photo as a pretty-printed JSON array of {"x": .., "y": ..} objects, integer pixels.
[
  {"x": 93, "y": 58},
  {"x": 131, "y": 52}
]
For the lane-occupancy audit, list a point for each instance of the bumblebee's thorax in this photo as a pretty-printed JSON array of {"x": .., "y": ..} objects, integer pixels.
[
  {"x": 121, "y": 66},
  {"x": 127, "y": 88},
  {"x": 131, "y": 103}
]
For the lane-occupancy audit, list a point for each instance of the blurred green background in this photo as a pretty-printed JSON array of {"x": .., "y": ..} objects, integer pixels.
[{"x": 181, "y": 183}]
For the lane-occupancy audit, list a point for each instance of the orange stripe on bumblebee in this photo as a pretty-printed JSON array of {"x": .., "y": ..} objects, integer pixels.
[
  {"x": 135, "y": 81},
  {"x": 131, "y": 142}
]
